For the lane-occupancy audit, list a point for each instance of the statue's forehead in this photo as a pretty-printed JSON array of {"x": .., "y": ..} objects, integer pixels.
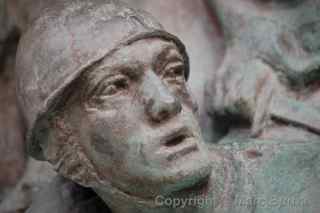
[{"x": 142, "y": 53}]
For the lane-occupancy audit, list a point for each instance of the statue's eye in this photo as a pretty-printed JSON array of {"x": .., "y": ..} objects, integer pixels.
[
  {"x": 116, "y": 85},
  {"x": 174, "y": 73}
]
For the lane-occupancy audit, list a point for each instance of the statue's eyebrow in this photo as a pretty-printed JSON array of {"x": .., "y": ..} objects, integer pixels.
[
  {"x": 131, "y": 70},
  {"x": 166, "y": 56}
]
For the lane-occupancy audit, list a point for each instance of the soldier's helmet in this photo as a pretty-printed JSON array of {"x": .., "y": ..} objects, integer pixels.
[{"x": 67, "y": 38}]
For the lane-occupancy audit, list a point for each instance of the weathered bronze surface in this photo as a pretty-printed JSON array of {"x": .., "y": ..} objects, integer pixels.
[
  {"x": 104, "y": 95},
  {"x": 103, "y": 89},
  {"x": 272, "y": 54},
  {"x": 263, "y": 100}
]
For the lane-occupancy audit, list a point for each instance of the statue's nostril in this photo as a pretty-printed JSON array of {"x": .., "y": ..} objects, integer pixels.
[{"x": 163, "y": 115}]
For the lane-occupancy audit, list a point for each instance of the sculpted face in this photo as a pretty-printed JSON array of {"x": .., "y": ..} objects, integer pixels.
[
  {"x": 138, "y": 123},
  {"x": 273, "y": 51}
]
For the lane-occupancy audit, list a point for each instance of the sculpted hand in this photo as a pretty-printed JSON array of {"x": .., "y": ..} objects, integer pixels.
[{"x": 244, "y": 89}]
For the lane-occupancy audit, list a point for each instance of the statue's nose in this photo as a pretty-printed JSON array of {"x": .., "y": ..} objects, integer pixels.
[{"x": 160, "y": 104}]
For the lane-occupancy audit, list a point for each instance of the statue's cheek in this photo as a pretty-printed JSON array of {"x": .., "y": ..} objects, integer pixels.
[{"x": 110, "y": 132}]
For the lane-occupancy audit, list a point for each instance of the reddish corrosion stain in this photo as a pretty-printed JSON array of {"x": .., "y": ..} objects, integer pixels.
[
  {"x": 251, "y": 154},
  {"x": 213, "y": 18}
]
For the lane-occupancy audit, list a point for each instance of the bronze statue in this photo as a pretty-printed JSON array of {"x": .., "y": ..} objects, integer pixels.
[
  {"x": 104, "y": 96},
  {"x": 192, "y": 24}
]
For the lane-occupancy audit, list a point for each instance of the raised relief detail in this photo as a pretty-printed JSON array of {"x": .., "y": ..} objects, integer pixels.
[{"x": 103, "y": 90}]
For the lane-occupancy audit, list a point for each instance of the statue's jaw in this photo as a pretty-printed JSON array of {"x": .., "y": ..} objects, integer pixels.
[
  {"x": 200, "y": 188},
  {"x": 185, "y": 183}
]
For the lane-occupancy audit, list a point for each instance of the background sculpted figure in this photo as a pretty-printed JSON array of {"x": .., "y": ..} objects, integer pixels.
[{"x": 263, "y": 100}]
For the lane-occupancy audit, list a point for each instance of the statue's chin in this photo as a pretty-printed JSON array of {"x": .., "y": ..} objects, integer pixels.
[
  {"x": 185, "y": 178},
  {"x": 188, "y": 176},
  {"x": 185, "y": 173}
]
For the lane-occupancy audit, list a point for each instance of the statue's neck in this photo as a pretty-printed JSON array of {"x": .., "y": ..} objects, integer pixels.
[{"x": 119, "y": 202}]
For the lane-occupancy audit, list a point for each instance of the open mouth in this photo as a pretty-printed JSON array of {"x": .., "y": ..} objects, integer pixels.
[
  {"x": 178, "y": 144},
  {"x": 176, "y": 140},
  {"x": 176, "y": 137}
]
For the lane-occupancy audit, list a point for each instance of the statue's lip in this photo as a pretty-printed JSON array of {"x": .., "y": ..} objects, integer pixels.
[
  {"x": 178, "y": 143},
  {"x": 176, "y": 136},
  {"x": 185, "y": 149}
]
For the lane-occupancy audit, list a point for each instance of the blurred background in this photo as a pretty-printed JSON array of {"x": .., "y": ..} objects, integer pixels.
[{"x": 21, "y": 177}]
